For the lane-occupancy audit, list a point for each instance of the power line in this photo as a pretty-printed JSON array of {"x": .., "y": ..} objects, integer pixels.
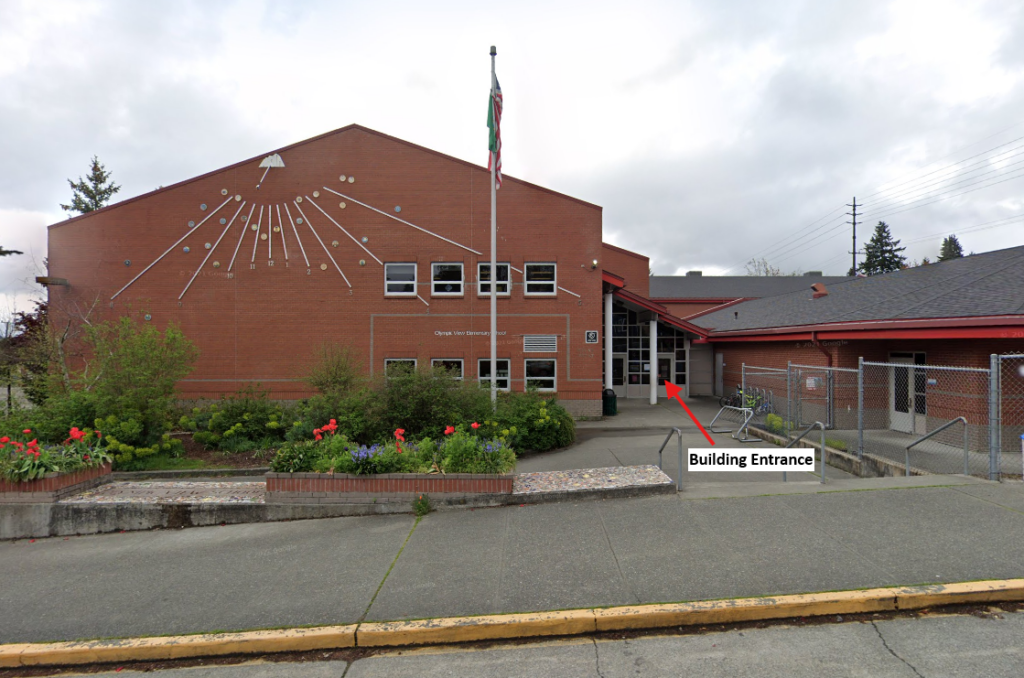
[
  {"x": 886, "y": 214},
  {"x": 787, "y": 240}
]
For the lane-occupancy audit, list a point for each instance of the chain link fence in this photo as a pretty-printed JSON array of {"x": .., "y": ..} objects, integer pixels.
[
  {"x": 930, "y": 418},
  {"x": 1011, "y": 414}
]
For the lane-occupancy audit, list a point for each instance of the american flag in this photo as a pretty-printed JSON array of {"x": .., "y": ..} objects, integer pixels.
[{"x": 494, "y": 125}]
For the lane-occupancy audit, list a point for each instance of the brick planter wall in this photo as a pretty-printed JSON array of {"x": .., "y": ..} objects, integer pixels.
[
  {"x": 342, "y": 488},
  {"x": 53, "y": 487}
]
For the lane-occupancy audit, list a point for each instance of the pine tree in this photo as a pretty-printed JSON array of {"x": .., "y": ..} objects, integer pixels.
[
  {"x": 93, "y": 192},
  {"x": 882, "y": 253},
  {"x": 951, "y": 249},
  {"x": 7, "y": 253}
]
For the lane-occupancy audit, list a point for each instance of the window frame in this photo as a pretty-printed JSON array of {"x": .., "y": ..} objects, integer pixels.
[
  {"x": 486, "y": 381},
  {"x": 527, "y": 283},
  {"x": 480, "y": 282},
  {"x": 462, "y": 279},
  {"x": 434, "y": 362},
  {"x": 414, "y": 282},
  {"x": 527, "y": 379}
]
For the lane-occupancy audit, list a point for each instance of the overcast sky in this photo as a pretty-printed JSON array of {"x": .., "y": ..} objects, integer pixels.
[{"x": 710, "y": 132}]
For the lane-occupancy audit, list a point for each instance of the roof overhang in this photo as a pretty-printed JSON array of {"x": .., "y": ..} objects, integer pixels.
[
  {"x": 663, "y": 313},
  {"x": 613, "y": 280}
]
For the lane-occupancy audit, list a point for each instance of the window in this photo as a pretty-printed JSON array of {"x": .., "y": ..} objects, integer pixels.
[
  {"x": 483, "y": 371},
  {"x": 446, "y": 280},
  {"x": 392, "y": 365},
  {"x": 453, "y": 366},
  {"x": 540, "y": 279},
  {"x": 483, "y": 276},
  {"x": 540, "y": 374},
  {"x": 400, "y": 280}
]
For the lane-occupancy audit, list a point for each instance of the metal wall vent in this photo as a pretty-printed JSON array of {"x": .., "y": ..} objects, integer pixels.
[{"x": 540, "y": 343}]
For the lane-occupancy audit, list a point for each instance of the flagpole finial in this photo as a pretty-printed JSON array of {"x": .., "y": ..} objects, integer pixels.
[{"x": 494, "y": 50}]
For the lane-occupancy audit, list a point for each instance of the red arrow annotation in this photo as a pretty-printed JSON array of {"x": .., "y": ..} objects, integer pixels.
[{"x": 673, "y": 392}]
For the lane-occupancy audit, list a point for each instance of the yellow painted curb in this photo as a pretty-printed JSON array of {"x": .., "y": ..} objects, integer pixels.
[
  {"x": 177, "y": 647},
  {"x": 495, "y": 627},
  {"x": 468, "y": 629},
  {"x": 998, "y": 590},
  {"x": 744, "y": 609}
]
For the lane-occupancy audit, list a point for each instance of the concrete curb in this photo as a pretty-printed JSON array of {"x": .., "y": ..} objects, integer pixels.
[{"x": 524, "y": 625}]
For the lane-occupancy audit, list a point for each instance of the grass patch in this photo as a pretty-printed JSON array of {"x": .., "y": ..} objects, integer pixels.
[{"x": 165, "y": 462}]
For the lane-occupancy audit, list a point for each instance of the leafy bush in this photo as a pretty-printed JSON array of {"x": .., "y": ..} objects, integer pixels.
[
  {"x": 462, "y": 452},
  {"x": 128, "y": 457},
  {"x": 246, "y": 421},
  {"x": 532, "y": 422},
  {"x": 421, "y": 505},
  {"x": 337, "y": 370},
  {"x": 298, "y": 457}
]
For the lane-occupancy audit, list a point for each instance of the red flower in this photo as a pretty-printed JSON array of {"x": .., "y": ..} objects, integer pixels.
[
  {"x": 5, "y": 439},
  {"x": 98, "y": 434},
  {"x": 85, "y": 457},
  {"x": 475, "y": 425},
  {"x": 34, "y": 443},
  {"x": 398, "y": 434},
  {"x": 450, "y": 430},
  {"x": 37, "y": 454},
  {"x": 334, "y": 423},
  {"x": 28, "y": 430},
  {"x": 2, "y": 446}
]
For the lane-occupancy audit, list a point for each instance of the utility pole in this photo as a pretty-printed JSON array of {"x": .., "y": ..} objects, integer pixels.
[{"x": 854, "y": 222}]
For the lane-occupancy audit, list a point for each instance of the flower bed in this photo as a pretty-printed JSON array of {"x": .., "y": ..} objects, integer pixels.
[
  {"x": 342, "y": 488},
  {"x": 30, "y": 473},
  {"x": 330, "y": 469},
  {"x": 53, "y": 486}
]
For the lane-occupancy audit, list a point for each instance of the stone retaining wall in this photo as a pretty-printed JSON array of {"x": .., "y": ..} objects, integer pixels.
[{"x": 342, "y": 488}]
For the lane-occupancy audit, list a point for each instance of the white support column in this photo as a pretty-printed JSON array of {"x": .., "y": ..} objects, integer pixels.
[
  {"x": 654, "y": 359},
  {"x": 608, "y": 341}
]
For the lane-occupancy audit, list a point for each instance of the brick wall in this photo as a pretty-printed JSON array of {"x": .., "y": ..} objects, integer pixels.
[
  {"x": 264, "y": 320},
  {"x": 635, "y": 268}
]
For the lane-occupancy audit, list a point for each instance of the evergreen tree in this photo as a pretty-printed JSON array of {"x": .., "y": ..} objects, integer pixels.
[
  {"x": 882, "y": 253},
  {"x": 93, "y": 192},
  {"x": 7, "y": 253},
  {"x": 951, "y": 249}
]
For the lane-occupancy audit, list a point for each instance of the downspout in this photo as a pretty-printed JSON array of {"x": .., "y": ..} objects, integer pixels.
[{"x": 817, "y": 345}]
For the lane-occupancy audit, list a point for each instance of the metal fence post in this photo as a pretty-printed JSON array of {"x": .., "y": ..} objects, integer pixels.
[
  {"x": 789, "y": 397},
  {"x": 993, "y": 417},
  {"x": 860, "y": 408},
  {"x": 743, "y": 384},
  {"x": 822, "y": 452}
]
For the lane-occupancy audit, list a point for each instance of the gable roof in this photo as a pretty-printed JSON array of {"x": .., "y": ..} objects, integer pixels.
[
  {"x": 340, "y": 130},
  {"x": 732, "y": 286},
  {"x": 990, "y": 284}
]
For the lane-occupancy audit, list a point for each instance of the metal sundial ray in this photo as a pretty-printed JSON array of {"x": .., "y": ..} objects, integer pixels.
[
  {"x": 317, "y": 236},
  {"x": 403, "y": 221},
  {"x": 245, "y": 227},
  {"x": 212, "y": 250},
  {"x": 169, "y": 249},
  {"x": 280, "y": 227},
  {"x": 256, "y": 243},
  {"x": 296, "y": 232},
  {"x": 345, "y": 232}
]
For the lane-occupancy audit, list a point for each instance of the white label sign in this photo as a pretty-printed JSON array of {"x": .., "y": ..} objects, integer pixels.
[{"x": 749, "y": 459}]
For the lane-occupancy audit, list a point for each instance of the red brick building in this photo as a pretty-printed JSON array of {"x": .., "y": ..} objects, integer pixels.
[{"x": 363, "y": 240}]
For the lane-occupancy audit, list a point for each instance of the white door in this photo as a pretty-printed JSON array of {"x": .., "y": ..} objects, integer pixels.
[{"x": 901, "y": 395}]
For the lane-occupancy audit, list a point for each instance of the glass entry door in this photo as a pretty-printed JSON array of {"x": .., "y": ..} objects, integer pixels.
[{"x": 665, "y": 373}]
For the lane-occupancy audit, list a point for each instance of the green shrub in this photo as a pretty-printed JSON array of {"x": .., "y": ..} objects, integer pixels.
[
  {"x": 298, "y": 457},
  {"x": 61, "y": 413},
  {"x": 836, "y": 444},
  {"x": 128, "y": 457},
  {"x": 466, "y": 453},
  {"x": 336, "y": 371},
  {"x": 245, "y": 421}
]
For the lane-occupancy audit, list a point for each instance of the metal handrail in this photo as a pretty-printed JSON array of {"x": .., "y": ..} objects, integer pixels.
[
  {"x": 799, "y": 437},
  {"x": 748, "y": 414},
  {"x": 679, "y": 434},
  {"x": 967, "y": 470}
]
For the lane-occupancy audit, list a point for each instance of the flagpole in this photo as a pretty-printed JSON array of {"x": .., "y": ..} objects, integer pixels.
[{"x": 494, "y": 256}]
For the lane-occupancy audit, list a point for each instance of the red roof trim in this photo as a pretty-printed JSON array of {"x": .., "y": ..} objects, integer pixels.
[
  {"x": 661, "y": 311},
  {"x": 880, "y": 325},
  {"x": 717, "y": 308},
  {"x": 627, "y": 252},
  {"x": 992, "y": 332},
  {"x": 612, "y": 279},
  {"x": 698, "y": 300},
  {"x": 309, "y": 141}
]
